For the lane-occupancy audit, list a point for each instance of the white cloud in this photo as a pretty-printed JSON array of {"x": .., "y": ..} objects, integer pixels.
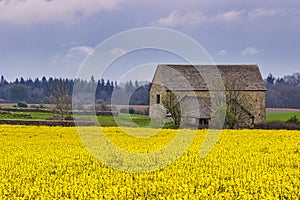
[
  {"x": 250, "y": 51},
  {"x": 230, "y": 15},
  {"x": 117, "y": 51},
  {"x": 196, "y": 17},
  {"x": 73, "y": 58},
  {"x": 222, "y": 52},
  {"x": 262, "y": 12},
  {"x": 40, "y": 11},
  {"x": 79, "y": 51},
  {"x": 177, "y": 18}
]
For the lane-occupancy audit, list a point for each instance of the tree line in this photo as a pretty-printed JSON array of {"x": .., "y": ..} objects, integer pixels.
[
  {"x": 52, "y": 90},
  {"x": 282, "y": 92}
]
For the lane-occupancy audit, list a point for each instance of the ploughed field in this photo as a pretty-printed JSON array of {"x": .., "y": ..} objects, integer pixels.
[{"x": 52, "y": 162}]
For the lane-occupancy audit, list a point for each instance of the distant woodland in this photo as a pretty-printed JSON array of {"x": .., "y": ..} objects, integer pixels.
[
  {"x": 282, "y": 92},
  {"x": 47, "y": 91}
]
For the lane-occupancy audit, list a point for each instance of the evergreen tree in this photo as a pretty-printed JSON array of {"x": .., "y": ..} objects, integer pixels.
[{"x": 270, "y": 79}]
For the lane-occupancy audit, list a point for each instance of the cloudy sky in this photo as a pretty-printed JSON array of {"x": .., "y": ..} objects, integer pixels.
[{"x": 52, "y": 37}]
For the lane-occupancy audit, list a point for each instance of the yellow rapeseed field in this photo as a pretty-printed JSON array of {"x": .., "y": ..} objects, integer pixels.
[{"x": 52, "y": 163}]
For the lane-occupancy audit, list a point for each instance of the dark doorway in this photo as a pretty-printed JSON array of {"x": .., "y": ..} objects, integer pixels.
[{"x": 203, "y": 123}]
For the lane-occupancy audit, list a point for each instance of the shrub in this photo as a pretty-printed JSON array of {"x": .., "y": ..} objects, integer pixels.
[
  {"x": 22, "y": 104},
  {"x": 128, "y": 110},
  {"x": 132, "y": 111},
  {"x": 68, "y": 117},
  {"x": 104, "y": 107},
  {"x": 146, "y": 111},
  {"x": 293, "y": 119},
  {"x": 171, "y": 125},
  {"x": 124, "y": 110}
]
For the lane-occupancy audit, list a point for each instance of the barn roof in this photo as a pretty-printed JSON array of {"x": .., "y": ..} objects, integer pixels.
[{"x": 187, "y": 77}]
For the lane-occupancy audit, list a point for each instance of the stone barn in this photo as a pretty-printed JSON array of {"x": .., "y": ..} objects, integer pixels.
[{"x": 243, "y": 87}]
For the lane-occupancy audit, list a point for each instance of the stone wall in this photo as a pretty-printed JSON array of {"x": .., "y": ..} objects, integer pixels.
[
  {"x": 156, "y": 111},
  {"x": 256, "y": 101}
]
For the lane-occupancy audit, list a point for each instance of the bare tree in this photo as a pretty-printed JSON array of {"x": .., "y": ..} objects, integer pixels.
[
  {"x": 172, "y": 105},
  {"x": 61, "y": 98},
  {"x": 238, "y": 106}
]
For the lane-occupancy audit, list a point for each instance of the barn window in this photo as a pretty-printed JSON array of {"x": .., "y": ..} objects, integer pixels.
[{"x": 158, "y": 98}]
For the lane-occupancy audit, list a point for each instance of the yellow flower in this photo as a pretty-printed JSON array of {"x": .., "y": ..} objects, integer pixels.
[{"x": 51, "y": 163}]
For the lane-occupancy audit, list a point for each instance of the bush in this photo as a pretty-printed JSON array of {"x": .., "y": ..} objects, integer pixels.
[
  {"x": 128, "y": 111},
  {"x": 124, "y": 110},
  {"x": 131, "y": 110},
  {"x": 21, "y": 104},
  {"x": 104, "y": 107},
  {"x": 146, "y": 111},
  {"x": 68, "y": 117},
  {"x": 171, "y": 125},
  {"x": 293, "y": 120}
]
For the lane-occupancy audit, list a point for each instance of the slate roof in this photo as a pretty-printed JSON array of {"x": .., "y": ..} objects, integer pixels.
[{"x": 187, "y": 77}]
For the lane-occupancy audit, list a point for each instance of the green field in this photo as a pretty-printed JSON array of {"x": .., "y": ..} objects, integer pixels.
[
  {"x": 131, "y": 119},
  {"x": 282, "y": 116},
  {"x": 26, "y": 115},
  {"x": 122, "y": 119}
]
